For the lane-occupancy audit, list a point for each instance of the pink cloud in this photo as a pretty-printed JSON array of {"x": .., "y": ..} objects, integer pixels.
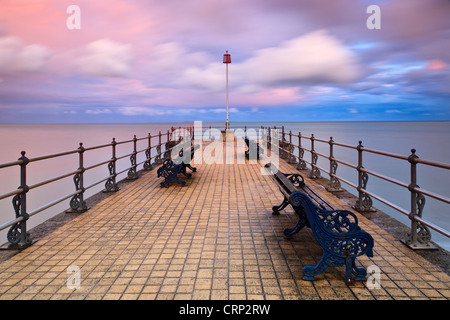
[
  {"x": 436, "y": 65},
  {"x": 104, "y": 58},
  {"x": 267, "y": 97}
]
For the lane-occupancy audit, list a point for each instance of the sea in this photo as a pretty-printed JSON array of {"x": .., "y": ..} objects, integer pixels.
[{"x": 431, "y": 140}]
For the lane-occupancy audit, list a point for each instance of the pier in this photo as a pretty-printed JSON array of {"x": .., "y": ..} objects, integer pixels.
[{"x": 213, "y": 239}]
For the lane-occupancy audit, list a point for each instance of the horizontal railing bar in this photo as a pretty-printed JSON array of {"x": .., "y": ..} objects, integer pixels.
[
  {"x": 98, "y": 164},
  {"x": 55, "y": 155},
  {"x": 120, "y": 172},
  {"x": 432, "y": 163},
  {"x": 384, "y": 153},
  {"x": 415, "y": 217},
  {"x": 433, "y": 195},
  {"x": 306, "y": 161},
  {"x": 139, "y": 163},
  {"x": 345, "y": 163},
  {"x": 10, "y": 223},
  {"x": 142, "y": 150},
  {"x": 322, "y": 155},
  {"x": 344, "y": 145},
  {"x": 320, "y": 140},
  {"x": 306, "y": 149},
  {"x": 390, "y": 204},
  {"x": 12, "y": 193},
  {"x": 402, "y": 184},
  {"x": 126, "y": 141},
  {"x": 98, "y": 147},
  {"x": 99, "y": 181},
  {"x": 345, "y": 181},
  {"x": 51, "y": 204},
  {"x": 124, "y": 156},
  {"x": 10, "y": 164},
  {"x": 432, "y": 226},
  {"x": 322, "y": 169},
  {"x": 54, "y": 179}
]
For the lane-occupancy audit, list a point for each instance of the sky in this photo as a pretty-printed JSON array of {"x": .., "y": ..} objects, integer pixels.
[{"x": 161, "y": 60}]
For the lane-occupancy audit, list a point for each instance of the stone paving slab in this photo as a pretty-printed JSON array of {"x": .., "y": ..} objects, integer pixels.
[{"x": 215, "y": 238}]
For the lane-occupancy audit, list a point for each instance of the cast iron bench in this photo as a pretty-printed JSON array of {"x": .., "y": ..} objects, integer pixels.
[
  {"x": 171, "y": 168},
  {"x": 336, "y": 231},
  {"x": 253, "y": 148}
]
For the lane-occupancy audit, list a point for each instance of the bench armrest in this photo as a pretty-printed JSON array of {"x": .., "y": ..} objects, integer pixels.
[
  {"x": 339, "y": 221},
  {"x": 296, "y": 179}
]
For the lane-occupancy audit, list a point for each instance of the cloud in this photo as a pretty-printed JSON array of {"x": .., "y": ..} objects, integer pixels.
[
  {"x": 310, "y": 59},
  {"x": 99, "y": 111},
  {"x": 316, "y": 57},
  {"x": 144, "y": 111},
  {"x": 154, "y": 56},
  {"x": 436, "y": 65},
  {"x": 105, "y": 58},
  {"x": 15, "y": 56}
]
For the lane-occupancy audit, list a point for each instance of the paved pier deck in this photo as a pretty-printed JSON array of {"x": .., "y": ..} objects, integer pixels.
[{"x": 216, "y": 238}]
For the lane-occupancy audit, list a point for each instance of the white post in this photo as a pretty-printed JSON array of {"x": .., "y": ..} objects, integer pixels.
[{"x": 227, "y": 125}]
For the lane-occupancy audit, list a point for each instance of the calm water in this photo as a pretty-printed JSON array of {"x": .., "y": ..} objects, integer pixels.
[{"x": 430, "y": 139}]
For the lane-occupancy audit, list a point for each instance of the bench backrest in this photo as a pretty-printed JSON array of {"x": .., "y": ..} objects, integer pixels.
[
  {"x": 336, "y": 230},
  {"x": 289, "y": 183},
  {"x": 284, "y": 183}
]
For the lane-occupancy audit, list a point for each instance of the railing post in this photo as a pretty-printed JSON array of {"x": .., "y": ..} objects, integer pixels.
[
  {"x": 301, "y": 163},
  {"x": 158, "y": 151},
  {"x": 364, "y": 202},
  {"x": 132, "y": 174},
  {"x": 315, "y": 172},
  {"x": 77, "y": 203},
  {"x": 335, "y": 184},
  {"x": 148, "y": 154},
  {"x": 110, "y": 184},
  {"x": 283, "y": 145},
  {"x": 17, "y": 234},
  {"x": 420, "y": 235},
  {"x": 169, "y": 144},
  {"x": 291, "y": 156},
  {"x": 263, "y": 135}
]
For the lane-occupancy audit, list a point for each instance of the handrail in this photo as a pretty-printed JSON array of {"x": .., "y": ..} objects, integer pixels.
[
  {"x": 77, "y": 203},
  {"x": 364, "y": 202}
]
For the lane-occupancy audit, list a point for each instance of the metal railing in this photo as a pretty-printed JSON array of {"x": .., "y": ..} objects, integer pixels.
[
  {"x": 18, "y": 236},
  {"x": 420, "y": 235}
]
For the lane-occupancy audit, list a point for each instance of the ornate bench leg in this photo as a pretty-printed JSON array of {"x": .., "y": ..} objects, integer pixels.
[
  {"x": 302, "y": 221},
  {"x": 310, "y": 271},
  {"x": 350, "y": 268},
  {"x": 276, "y": 209},
  {"x": 165, "y": 183},
  {"x": 183, "y": 171},
  {"x": 182, "y": 182},
  {"x": 192, "y": 168}
]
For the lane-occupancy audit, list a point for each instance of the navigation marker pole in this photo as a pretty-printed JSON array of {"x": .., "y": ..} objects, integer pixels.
[{"x": 227, "y": 60}]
